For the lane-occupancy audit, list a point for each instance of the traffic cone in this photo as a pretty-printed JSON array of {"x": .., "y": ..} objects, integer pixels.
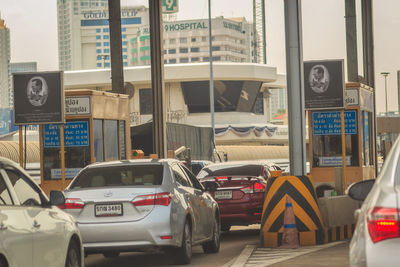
[{"x": 290, "y": 238}]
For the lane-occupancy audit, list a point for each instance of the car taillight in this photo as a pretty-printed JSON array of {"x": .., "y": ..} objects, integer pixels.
[
  {"x": 259, "y": 187},
  {"x": 255, "y": 188},
  {"x": 383, "y": 223},
  {"x": 162, "y": 199},
  {"x": 73, "y": 203},
  {"x": 221, "y": 178}
]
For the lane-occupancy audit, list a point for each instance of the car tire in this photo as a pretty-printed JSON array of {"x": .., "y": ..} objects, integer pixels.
[
  {"x": 183, "y": 254},
  {"x": 73, "y": 255},
  {"x": 111, "y": 254},
  {"x": 212, "y": 246},
  {"x": 3, "y": 262},
  {"x": 225, "y": 227}
]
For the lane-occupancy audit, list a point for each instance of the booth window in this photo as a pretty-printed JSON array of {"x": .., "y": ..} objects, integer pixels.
[
  {"x": 111, "y": 133},
  {"x": 366, "y": 138},
  {"x": 76, "y": 147},
  {"x": 146, "y": 101},
  {"x": 122, "y": 139},
  {"x": 327, "y": 148},
  {"x": 98, "y": 140}
]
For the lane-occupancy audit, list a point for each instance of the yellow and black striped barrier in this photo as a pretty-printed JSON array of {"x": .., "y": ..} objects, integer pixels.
[
  {"x": 307, "y": 214},
  {"x": 339, "y": 233}
]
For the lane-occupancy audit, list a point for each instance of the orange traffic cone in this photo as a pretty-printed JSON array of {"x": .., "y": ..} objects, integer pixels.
[{"x": 290, "y": 237}]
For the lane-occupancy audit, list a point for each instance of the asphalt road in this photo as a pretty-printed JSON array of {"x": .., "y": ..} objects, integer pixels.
[{"x": 232, "y": 244}]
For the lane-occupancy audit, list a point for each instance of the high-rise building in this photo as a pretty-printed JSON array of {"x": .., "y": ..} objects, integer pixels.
[
  {"x": 278, "y": 100},
  {"x": 6, "y": 96},
  {"x": 69, "y": 41},
  {"x": 84, "y": 39}
]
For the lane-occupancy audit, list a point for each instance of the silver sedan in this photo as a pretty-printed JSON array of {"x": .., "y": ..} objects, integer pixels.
[
  {"x": 137, "y": 205},
  {"x": 33, "y": 231},
  {"x": 376, "y": 240}
]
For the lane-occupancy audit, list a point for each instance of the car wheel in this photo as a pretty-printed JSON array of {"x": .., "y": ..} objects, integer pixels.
[
  {"x": 111, "y": 254},
  {"x": 3, "y": 262},
  {"x": 183, "y": 254},
  {"x": 225, "y": 227},
  {"x": 212, "y": 246},
  {"x": 73, "y": 255}
]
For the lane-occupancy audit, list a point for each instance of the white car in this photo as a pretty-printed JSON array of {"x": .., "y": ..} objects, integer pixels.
[
  {"x": 33, "y": 231},
  {"x": 376, "y": 240}
]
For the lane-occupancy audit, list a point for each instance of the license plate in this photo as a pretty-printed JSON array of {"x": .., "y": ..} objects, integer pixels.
[
  {"x": 104, "y": 210},
  {"x": 226, "y": 194}
]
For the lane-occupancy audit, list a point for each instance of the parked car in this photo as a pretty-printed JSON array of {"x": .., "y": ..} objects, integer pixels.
[
  {"x": 33, "y": 231},
  {"x": 136, "y": 205},
  {"x": 239, "y": 189},
  {"x": 376, "y": 239},
  {"x": 197, "y": 165}
]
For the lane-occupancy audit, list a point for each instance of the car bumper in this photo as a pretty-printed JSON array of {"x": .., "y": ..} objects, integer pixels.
[{"x": 131, "y": 235}]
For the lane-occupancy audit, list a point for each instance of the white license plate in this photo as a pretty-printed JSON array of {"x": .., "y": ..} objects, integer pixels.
[
  {"x": 108, "y": 210},
  {"x": 226, "y": 194}
]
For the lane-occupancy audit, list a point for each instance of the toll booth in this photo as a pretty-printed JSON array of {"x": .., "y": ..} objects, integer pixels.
[
  {"x": 96, "y": 129},
  {"x": 325, "y": 140}
]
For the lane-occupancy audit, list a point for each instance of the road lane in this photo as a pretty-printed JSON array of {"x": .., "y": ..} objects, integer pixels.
[{"x": 232, "y": 244}]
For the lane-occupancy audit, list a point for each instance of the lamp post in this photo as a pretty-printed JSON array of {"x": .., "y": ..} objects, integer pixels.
[{"x": 385, "y": 74}]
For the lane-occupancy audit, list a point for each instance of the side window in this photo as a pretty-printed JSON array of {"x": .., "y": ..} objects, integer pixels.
[
  {"x": 26, "y": 193},
  {"x": 193, "y": 179},
  {"x": 5, "y": 198},
  {"x": 180, "y": 176}
]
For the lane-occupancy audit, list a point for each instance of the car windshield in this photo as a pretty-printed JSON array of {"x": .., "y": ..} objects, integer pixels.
[
  {"x": 126, "y": 175},
  {"x": 231, "y": 170}
]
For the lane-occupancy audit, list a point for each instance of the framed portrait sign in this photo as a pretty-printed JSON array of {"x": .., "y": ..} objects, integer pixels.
[
  {"x": 38, "y": 98},
  {"x": 324, "y": 84}
]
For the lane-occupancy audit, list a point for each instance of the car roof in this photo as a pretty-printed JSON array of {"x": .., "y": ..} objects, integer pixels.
[
  {"x": 243, "y": 162},
  {"x": 131, "y": 162}
]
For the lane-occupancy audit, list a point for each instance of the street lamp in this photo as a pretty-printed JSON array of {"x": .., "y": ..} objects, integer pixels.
[{"x": 385, "y": 74}]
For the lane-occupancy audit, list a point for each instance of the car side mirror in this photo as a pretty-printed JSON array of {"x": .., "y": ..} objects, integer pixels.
[
  {"x": 360, "y": 190},
  {"x": 210, "y": 185},
  {"x": 57, "y": 198}
]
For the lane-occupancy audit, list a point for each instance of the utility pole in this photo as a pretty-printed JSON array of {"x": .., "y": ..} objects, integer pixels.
[
  {"x": 157, "y": 78},
  {"x": 385, "y": 74},
  {"x": 117, "y": 72},
  {"x": 295, "y": 87}
]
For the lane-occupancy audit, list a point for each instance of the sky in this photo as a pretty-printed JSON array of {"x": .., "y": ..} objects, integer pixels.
[{"x": 33, "y": 27}]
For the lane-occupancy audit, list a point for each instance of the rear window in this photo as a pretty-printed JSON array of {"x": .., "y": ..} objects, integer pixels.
[
  {"x": 231, "y": 170},
  {"x": 133, "y": 175}
]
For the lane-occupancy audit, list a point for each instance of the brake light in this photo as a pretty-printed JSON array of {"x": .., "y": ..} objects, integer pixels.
[
  {"x": 162, "y": 199},
  {"x": 259, "y": 187},
  {"x": 73, "y": 203},
  {"x": 255, "y": 188},
  {"x": 221, "y": 178},
  {"x": 383, "y": 223}
]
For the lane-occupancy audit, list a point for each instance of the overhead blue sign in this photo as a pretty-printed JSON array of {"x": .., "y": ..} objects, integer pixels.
[
  {"x": 329, "y": 122},
  {"x": 75, "y": 134}
]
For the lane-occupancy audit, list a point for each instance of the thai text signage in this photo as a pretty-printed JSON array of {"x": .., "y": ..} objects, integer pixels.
[
  {"x": 329, "y": 122},
  {"x": 75, "y": 134},
  {"x": 77, "y": 105}
]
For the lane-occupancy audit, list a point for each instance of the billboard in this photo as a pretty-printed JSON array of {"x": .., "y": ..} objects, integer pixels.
[
  {"x": 229, "y": 96},
  {"x": 324, "y": 84},
  {"x": 38, "y": 98}
]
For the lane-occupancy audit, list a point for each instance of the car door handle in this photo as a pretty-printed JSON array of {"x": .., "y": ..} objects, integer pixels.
[
  {"x": 36, "y": 224},
  {"x": 3, "y": 226}
]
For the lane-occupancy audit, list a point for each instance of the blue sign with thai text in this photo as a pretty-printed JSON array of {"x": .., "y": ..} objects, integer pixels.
[
  {"x": 4, "y": 123},
  {"x": 75, "y": 134},
  {"x": 329, "y": 122}
]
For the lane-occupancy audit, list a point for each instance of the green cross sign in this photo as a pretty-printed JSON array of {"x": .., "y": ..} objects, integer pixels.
[{"x": 169, "y": 6}]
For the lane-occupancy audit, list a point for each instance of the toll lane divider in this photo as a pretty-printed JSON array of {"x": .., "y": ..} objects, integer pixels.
[{"x": 309, "y": 223}]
